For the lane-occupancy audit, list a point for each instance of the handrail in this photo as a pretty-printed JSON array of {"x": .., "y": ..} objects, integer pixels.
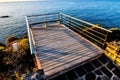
[
  {"x": 42, "y": 14},
  {"x": 32, "y": 44},
  {"x": 94, "y": 32},
  {"x": 43, "y": 18},
  {"x": 86, "y": 29},
  {"x": 87, "y": 35},
  {"x": 85, "y": 22},
  {"x": 75, "y": 23},
  {"x": 29, "y": 36},
  {"x": 34, "y": 23}
]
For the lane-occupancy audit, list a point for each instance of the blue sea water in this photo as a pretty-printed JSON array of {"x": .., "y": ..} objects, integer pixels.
[{"x": 102, "y": 12}]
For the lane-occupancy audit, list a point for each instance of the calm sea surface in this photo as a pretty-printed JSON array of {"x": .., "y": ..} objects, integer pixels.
[{"x": 106, "y": 13}]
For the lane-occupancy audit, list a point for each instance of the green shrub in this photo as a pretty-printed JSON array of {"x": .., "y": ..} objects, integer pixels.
[
  {"x": 24, "y": 44},
  {"x": 100, "y": 25},
  {"x": 10, "y": 39},
  {"x": 113, "y": 29},
  {"x": 2, "y": 48}
]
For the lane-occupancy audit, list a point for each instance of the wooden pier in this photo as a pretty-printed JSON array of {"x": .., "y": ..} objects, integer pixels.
[{"x": 58, "y": 45}]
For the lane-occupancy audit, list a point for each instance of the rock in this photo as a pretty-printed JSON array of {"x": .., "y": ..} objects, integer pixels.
[
  {"x": 104, "y": 78},
  {"x": 15, "y": 47},
  {"x": 90, "y": 76},
  {"x": 4, "y": 16},
  {"x": 114, "y": 78},
  {"x": 38, "y": 75}
]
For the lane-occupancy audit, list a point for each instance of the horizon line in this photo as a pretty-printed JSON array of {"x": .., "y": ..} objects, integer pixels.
[{"x": 22, "y": 1}]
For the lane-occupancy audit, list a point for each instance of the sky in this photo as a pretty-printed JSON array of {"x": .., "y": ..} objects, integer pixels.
[
  {"x": 11, "y": 0},
  {"x": 45, "y": 0},
  {"x": 16, "y": 0}
]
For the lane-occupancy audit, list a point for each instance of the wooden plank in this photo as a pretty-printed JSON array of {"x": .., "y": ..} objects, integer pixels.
[
  {"x": 58, "y": 47},
  {"x": 65, "y": 60},
  {"x": 62, "y": 59},
  {"x": 68, "y": 65},
  {"x": 50, "y": 40},
  {"x": 54, "y": 48},
  {"x": 46, "y": 35},
  {"x": 52, "y": 36},
  {"x": 35, "y": 52},
  {"x": 62, "y": 48},
  {"x": 49, "y": 55},
  {"x": 42, "y": 56}
]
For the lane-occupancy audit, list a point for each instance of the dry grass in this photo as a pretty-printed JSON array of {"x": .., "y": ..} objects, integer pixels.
[{"x": 15, "y": 63}]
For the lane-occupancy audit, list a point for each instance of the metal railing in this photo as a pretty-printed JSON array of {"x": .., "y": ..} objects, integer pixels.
[
  {"x": 39, "y": 19},
  {"x": 32, "y": 45},
  {"x": 94, "y": 33},
  {"x": 30, "y": 37},
  {"x": 44, "y": 19}
]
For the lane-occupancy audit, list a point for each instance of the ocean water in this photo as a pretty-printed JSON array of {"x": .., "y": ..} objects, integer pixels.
[{"x": 106, "y": 13}]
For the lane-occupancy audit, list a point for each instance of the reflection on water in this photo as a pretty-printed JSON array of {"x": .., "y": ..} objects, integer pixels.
[{"x": 105, "y": 13}]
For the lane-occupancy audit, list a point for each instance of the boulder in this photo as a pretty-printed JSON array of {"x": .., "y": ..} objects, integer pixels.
[{"x": 4, "y": 16}]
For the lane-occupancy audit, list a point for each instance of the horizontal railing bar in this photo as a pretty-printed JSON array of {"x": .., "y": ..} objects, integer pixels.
[
  {"x": 43, "y": 14},
  {"x": 73, "y": 24},
  {"x": 86, "y": 35},
  {"x": 85, "y": 22},
  {"x": 72, "y": 21},
  {"x": 89, "y": 32},
  {"x": 89, "y": 29},
  {"x": 94, "y": 35},
  {"x": 65, "y": 19},
  {"x": 44, "y": 22},
  {"x": 96, "y": 31},
  {"x": 77, "y": 24}
]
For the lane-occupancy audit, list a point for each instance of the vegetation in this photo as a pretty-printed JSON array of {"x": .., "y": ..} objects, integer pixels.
[
  {"x": 115, "y": 35},
  {"x": 14, "y": 63},
  {"x": 10, "y": 39},
  {"x": 97, "y": 35}
]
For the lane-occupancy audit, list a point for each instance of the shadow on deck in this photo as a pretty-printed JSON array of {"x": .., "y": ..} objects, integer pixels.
[
  {"x": 58, "y": 49},
  {"x": 100, "y": 68},
  {"x": 62, "y": 47}
]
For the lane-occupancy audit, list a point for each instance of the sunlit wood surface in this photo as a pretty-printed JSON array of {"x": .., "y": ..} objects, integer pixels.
[{"x": 58, "y": 48}]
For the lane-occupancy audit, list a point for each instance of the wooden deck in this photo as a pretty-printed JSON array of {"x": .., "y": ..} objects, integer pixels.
[{"x": 59, "y": 48}]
